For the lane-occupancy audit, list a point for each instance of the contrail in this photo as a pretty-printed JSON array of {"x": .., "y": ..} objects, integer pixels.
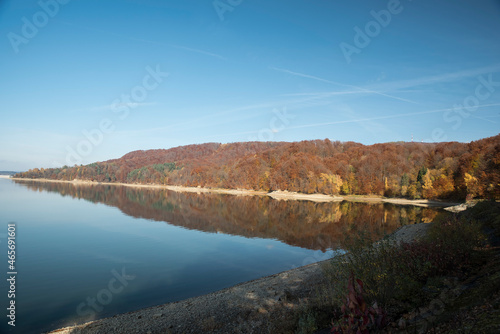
[
  {"x": 385, "y": 117},
  {"x": 343, "y": 85}
]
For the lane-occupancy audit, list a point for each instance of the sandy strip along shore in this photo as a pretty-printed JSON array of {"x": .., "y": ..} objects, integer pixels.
[{"x": 279, "y": 195}]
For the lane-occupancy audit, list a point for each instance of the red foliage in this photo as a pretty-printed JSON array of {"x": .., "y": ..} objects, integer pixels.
[
  {"x": 357, "y": 316},
  {"x": 303, "y": 166}
]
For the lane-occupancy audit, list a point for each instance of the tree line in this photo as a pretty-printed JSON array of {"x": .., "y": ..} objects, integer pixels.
[{"x": 398, "y": 169}]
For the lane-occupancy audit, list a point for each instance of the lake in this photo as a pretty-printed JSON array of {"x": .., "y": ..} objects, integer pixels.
[{"x": 86, "y": 252}]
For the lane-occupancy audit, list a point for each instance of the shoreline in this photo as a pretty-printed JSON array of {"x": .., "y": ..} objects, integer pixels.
[
  {"x": 248, "y": 307},
  {"x": 278, "y": 194}
]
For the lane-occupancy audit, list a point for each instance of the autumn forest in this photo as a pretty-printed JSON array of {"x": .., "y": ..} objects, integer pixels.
[{"x": 399, "y": 169}]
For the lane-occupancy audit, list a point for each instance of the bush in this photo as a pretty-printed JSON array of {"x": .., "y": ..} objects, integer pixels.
[
  {"x": 395, "y": 273},
  {"x": 383, "y": 269},
  {"x": 306, "y": 323},
  {"x": 357, "y": 317}
]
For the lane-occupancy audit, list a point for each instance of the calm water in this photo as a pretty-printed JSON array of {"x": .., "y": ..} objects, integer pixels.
[{"x": 88, "y": 252}]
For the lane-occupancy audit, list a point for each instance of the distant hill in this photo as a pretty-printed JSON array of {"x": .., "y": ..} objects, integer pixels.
[
  {"x": 2, "y": 172},
  {"x": 414, "y": 170}
]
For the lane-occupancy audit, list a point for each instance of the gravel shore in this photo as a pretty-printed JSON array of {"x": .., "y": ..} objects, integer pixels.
[
  {"x": 244, "y": 308},
  {"x": 250, "y": 307}
]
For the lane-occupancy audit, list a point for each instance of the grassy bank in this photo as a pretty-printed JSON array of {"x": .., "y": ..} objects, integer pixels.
[{"x": 444, "y": 282}]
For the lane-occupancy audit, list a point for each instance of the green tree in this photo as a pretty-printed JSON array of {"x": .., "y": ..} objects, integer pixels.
[
  {"x": 421, "y": 173},
  {"x": 405, "y": 180}
]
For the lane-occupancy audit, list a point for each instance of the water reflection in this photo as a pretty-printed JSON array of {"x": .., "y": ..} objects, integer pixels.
[{"x": 316, "y": 226}]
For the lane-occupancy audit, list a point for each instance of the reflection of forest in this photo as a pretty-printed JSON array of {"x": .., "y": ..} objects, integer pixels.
[{"x": 299, "y": 223}]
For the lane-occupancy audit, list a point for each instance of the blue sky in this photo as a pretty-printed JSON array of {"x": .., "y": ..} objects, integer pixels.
[{"x": 88, "y": 80}]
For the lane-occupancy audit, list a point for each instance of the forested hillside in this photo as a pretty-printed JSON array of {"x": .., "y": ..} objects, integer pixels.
[{"x": 413, "y": 170}]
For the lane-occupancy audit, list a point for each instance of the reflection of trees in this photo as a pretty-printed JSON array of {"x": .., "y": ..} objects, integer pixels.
[{"x": 298, "y": 223}]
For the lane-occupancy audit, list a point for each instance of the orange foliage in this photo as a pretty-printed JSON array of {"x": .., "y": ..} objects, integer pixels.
[{"x": 321, "y": 166}]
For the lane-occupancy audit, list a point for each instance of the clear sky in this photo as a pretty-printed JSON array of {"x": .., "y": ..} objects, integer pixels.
[{"x": 90, "y": 80}]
